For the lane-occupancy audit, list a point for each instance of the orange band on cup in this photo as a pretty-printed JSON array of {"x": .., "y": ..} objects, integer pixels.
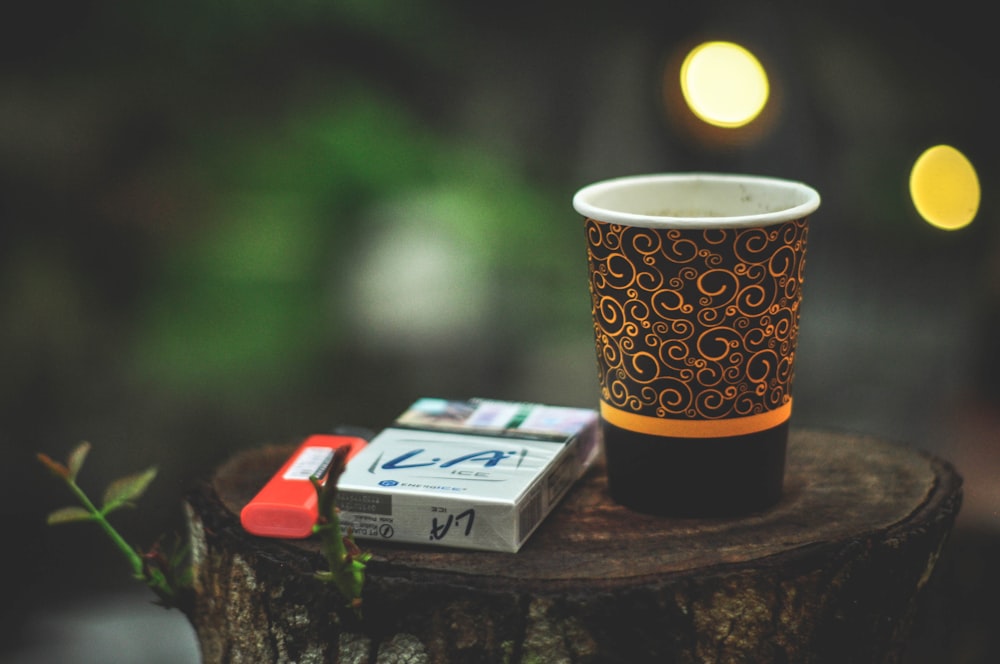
[{"x": 657, "y": 426}]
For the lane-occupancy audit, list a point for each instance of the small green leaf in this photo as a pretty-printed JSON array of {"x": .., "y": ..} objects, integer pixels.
[
  {"x": 68, "y": 515},
  {"x": 76, "y": 459},
  {"x": 127, "y": 489}
]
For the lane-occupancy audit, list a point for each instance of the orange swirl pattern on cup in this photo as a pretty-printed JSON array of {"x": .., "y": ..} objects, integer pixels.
[{"x": 696, "y": 329}]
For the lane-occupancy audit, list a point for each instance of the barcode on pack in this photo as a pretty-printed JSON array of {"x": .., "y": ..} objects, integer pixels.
[
  {"x": 531, "y": 514},
  {"x": 313, "y": 461}
]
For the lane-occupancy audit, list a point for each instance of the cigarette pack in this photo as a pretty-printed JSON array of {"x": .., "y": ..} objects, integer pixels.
[{"x": 477, "y": 474}]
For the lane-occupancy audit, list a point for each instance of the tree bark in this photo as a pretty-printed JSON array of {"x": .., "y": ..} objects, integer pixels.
[{"x": 833, "y": 573}]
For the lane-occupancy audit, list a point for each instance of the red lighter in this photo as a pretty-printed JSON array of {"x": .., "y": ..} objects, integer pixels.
[{"x": 287, "y": 507}]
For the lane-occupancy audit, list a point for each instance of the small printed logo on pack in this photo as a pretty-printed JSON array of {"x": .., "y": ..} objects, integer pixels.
[
  {"x": 313, "y": 462},
  {"x": 463, "y": 523}
]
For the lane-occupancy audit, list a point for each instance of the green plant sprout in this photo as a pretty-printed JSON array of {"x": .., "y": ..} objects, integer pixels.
[
  {"x": 167, "y": 573},
  {"x": 345, "y": 560}
]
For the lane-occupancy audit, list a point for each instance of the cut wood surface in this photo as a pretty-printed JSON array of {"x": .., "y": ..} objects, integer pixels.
[{"x": 833, "y": 573}]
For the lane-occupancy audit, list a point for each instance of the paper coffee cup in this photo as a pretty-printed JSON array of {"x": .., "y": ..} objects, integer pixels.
[{"x": 696, "y": 286}]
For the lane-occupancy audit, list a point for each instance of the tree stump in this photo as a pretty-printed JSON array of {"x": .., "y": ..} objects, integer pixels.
[{"x": 833, "y": 573}]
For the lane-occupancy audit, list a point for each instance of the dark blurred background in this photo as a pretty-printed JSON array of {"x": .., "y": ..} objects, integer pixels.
[{"x": 230, "y": 224}]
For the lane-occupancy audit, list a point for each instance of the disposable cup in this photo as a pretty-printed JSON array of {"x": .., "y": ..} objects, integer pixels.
[{"x": 696, "y": 286}]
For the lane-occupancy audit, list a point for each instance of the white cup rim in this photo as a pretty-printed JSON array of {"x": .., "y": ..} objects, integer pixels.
[{"x": 732, "y": 200}]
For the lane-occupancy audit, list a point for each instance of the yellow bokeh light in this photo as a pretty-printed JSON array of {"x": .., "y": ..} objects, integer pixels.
[
  {"x": 724, "y": 84},
  {"x": 944, "y": 188}
]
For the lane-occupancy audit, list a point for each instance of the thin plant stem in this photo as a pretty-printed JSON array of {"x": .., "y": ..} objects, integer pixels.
[{"x": 130, "y": 553}]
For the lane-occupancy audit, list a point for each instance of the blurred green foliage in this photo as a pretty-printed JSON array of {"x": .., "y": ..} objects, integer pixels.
[
  {"x": 252, "y": 292},
  {"x": 236, "y": 151}
]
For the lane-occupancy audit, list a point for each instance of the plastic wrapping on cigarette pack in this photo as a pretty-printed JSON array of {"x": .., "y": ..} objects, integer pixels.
[{"x": 476, "y": 474}]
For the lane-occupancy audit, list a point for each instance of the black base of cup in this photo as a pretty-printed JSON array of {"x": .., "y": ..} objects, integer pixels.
[{"x": 695, "y": 477}]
